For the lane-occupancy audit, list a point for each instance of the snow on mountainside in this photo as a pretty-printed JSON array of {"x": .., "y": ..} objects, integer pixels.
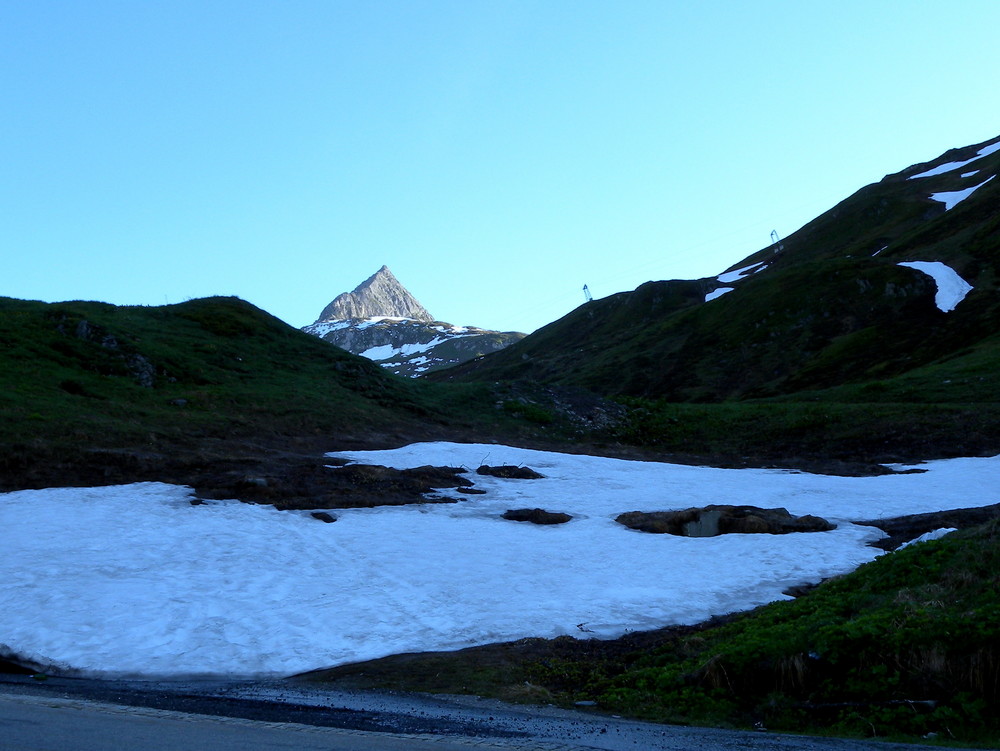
[
  {"x": 898, "y": 276},
  {"x": 382, "y": 321}
]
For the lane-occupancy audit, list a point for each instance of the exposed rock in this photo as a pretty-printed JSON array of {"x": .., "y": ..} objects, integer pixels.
[
  {"x": 379, "y": 295},
  {"x": 472, "y": 491},
  {"x": 712, "y": 521},
  {"x": 536, "y": 516},
  {"x": 116, "y": 357},
  {"x": 141, "y": 369},
  {"x": 510, "y": 472},
  {"x": 902, "y": 529},
  {"x": 323, "y": 516}
]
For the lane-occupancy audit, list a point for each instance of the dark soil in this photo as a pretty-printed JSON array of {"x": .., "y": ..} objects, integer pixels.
[
  {"x": 902, "y": 529},
  {"x": 529, "y": 670},
  {"x": 290, "y": 473}
]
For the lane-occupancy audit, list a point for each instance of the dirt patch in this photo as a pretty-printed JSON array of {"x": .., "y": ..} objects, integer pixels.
[
  {"x": 902, "y": 529},
  {"x": 317, "y": 485},
  {"x": 532, "y": 670}
]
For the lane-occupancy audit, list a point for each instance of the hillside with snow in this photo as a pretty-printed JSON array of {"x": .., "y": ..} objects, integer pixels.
[{"x": 896, "y": 279}]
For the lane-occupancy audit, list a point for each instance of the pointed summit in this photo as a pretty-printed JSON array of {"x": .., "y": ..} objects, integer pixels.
[{"x": 379, "y": 295}]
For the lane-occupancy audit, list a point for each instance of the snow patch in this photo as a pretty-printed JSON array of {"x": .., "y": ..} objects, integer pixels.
[
  {"x": 735, "y": 276},
  {"x": 951, "y": 288},
  {"x": 952, "y": 198},
  {"x": 717, "y": 293},
  {"x": 133, "y": 579},
  {"x": 385, "y": 351},
  {"x": 934, "y": 534},
  {"x": 949, "y": 166}
]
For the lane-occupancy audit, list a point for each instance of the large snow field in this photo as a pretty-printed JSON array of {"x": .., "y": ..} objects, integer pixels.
[{"x": 135, "y": 580}]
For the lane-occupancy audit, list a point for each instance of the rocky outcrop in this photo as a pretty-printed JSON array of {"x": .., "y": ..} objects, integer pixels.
[
  {"x": 536, "y": 516},
  {"x": 712, "y": 521},
  {"x": 510, "y": 472},
  {"x": 379, "y": 295}
]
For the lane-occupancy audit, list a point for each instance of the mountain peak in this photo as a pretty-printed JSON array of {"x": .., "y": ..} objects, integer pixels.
[{"x": 381, "y": 294}]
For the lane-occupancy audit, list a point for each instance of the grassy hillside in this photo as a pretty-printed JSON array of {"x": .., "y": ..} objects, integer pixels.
[
  {"x": 122, "y": 392},
  {"x": 831, "y": 306},
  {"x": 93, "y": 372}
]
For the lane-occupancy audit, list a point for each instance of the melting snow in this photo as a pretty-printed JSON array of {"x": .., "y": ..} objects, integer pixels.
[
  {"x": 734, "y": 276},
  {"x": 951, "y": 288},
  {"x": 133, "y": 579},
  {"x": 322, "y": 328},
  {"x": 385, "y": 351},
  {"x": 716, "y": 293},
  {"x": 949, "y": 166},
  {"x": 934, "y": 534},
  {"x": 952, "y": 198}
]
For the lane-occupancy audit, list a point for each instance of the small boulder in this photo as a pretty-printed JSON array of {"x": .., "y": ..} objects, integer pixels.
[
  {"x": 323, "y": 516},
  {"x": 536, "y": 516},
  {"x": 510, "y": 472}
]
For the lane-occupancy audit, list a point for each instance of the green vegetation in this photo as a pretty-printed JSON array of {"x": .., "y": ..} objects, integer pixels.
[
  {"x": 89, "y": 372},
  {"x": 92, "y": 393},
  {"x": 831, "y": 310},
  {"x": 907, "y": 645},
  {"x": 764, "y": 431}
]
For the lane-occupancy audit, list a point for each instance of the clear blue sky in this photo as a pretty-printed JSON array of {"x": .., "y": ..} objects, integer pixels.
[{"x": 496, "y": 155}]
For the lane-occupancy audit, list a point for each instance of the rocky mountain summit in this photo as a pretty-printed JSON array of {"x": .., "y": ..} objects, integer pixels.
[
  {"x": 380, "y": 295},
  {"x": 382, "y": 321}
]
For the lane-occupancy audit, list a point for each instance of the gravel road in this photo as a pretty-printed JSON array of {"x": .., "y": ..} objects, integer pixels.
[{"x": 398, "y": 720}]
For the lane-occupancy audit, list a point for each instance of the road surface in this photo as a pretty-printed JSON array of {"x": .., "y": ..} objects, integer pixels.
[{"x": 68, "y": 715}]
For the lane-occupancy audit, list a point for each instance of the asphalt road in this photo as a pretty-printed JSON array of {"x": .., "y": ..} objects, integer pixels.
[{"x": 68, "y": 715}]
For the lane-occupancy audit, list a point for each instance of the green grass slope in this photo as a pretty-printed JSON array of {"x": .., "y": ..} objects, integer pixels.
[
  {"x": 831, "y": 307},
  {"x": 906, "y": 645},
  {"x": 92, "y": 384}
]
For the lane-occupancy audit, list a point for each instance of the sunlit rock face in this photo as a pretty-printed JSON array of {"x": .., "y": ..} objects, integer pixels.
[{"x": 380, "y": 295}]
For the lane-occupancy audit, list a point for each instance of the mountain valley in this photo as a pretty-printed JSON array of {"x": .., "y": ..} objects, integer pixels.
[{"x": 865, "y": 341}]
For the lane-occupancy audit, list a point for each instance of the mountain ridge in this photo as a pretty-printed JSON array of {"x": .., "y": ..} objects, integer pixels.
[{"x": 829, "y": 305}]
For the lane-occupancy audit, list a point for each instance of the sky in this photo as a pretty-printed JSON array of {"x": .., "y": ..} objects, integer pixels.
[{"x": 497, "y": 156}]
